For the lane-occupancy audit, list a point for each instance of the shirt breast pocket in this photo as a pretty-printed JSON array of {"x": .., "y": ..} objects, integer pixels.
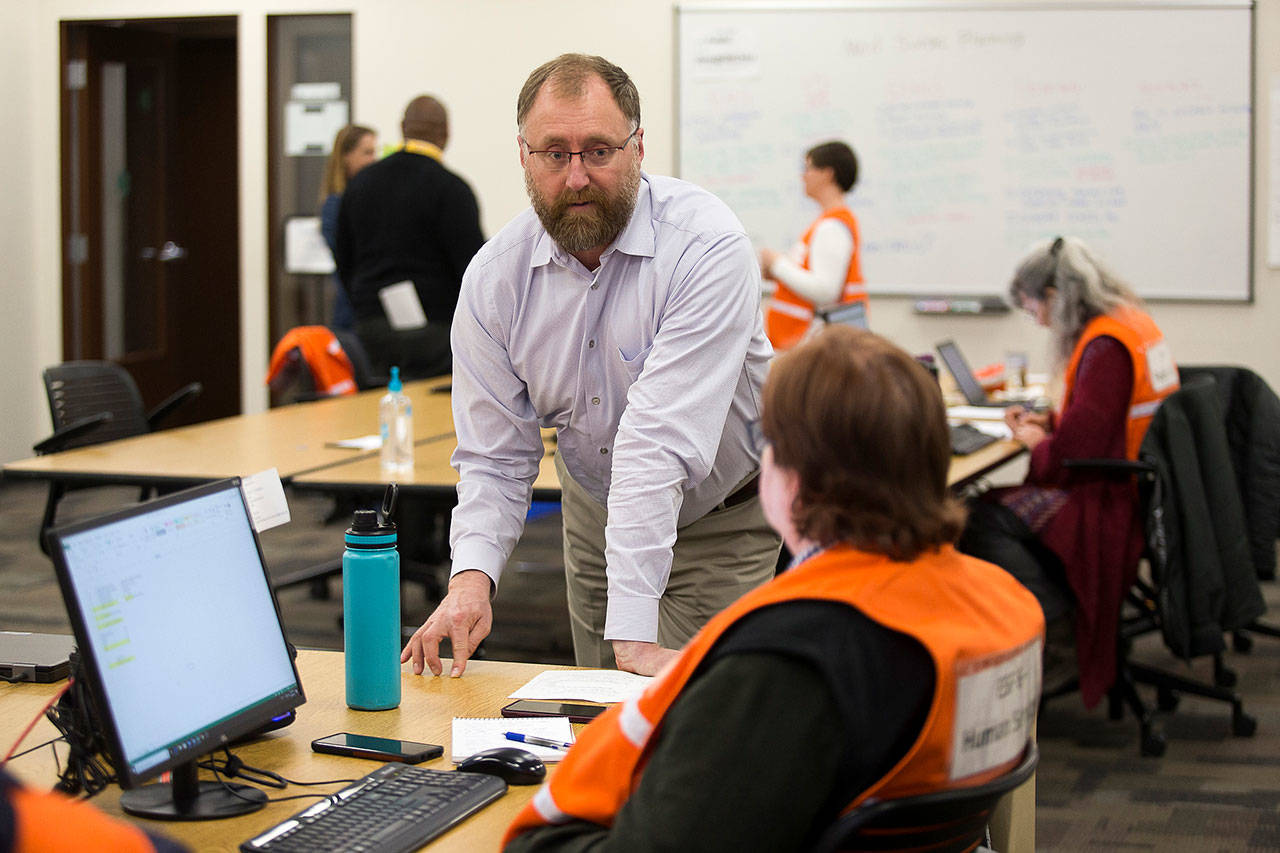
[{"x": 633, "y": 365}]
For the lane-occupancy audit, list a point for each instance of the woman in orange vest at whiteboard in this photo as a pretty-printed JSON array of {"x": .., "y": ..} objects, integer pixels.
[
  {"x": 839, "y": 680},
  {"x": 1062, "y": 534},
  {"x": 823, "y": 268}
]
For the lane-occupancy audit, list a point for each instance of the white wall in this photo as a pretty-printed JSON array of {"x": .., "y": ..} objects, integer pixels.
[{"x": 473, "y": 55}]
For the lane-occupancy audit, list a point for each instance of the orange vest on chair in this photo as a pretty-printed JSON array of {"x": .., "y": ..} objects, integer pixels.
[
  {"x": 982, "y": 628},
  {"x": 328, "y": 364},
  {"x": 1155, "y": 376},
  {"x": 790, "y": 314}
]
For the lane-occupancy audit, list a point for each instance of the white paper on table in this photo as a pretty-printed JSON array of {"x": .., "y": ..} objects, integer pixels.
[
  {"x": 362, "y": 442},
  {"x": 583, "y": 685},
  {"x": 975, "y": 413},
  {"x": 264, "y": 494}
]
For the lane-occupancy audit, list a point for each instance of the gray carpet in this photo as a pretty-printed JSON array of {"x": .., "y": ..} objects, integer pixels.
[{"x": 1210, "y": 792}]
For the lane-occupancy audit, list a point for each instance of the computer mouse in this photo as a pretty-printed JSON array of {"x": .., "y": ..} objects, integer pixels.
[{"x": 511, "y": 764}]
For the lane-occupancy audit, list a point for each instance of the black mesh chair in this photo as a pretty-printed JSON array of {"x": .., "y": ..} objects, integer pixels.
[
  {"x": 91, "y": 402},
  {"x": 943, "y": 822}
]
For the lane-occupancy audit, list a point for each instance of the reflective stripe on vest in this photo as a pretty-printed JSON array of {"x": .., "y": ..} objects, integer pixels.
[
  {"x": 982, "y": 628},
  {"x": 1154, "y": 374},
  {"x": 789, "y": 313}
]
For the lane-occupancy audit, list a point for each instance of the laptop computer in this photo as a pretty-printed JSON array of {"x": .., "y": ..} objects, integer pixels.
[
  {"x": 968, "y": 384},
  {"x": 845, "y": 314},
  {"x": 42, "y": 658}
]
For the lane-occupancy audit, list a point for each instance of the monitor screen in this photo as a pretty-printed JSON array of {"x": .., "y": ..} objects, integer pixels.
[{"x": 177, "y": 627}]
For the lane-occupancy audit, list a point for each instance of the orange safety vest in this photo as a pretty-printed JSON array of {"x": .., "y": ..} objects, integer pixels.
[
  {"x": 47, "y": 822},
  {"x": 1155, "y": 376},
  {"x": 789, "y": 313},
  {"x": 982, "y": 628},
  {"x": 327, "y": 362}
]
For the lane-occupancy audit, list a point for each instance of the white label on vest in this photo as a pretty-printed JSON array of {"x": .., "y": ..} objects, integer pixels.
[
  {"x": 1160, "y": 366},
  {"x": 995, "y": 710}
]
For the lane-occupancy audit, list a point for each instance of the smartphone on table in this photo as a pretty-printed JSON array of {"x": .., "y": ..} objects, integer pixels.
[
  {"x": 377, "y": 748},
  {"x": 576, "y": 712}
]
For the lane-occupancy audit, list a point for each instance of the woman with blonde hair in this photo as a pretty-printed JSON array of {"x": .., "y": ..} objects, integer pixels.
[
  {"x": 354, "y": 147},
  {"x": 1072, "y": 538}
]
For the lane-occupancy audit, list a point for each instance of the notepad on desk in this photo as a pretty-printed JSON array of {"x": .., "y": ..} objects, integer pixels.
[{"x": 475, "y": 734}]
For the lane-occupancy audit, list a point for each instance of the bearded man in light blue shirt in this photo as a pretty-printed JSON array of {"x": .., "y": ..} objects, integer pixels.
[{"x": 622, "y": 309}]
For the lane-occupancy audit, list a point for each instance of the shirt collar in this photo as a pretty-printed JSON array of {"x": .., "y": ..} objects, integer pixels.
[
  {"x": 637, "y": 238},
  {"x": 807, "y": 554},
  {"x": 426, "y": 149}
]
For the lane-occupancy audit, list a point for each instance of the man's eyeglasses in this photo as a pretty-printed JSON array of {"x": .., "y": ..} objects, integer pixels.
[{"x": 554, "y": 160}]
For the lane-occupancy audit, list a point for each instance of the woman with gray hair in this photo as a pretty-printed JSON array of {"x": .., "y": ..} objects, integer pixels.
[{"x": 1074, "y": 539}]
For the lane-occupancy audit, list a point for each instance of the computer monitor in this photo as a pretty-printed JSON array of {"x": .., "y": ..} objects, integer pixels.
[{"x": 180, "y": 642}]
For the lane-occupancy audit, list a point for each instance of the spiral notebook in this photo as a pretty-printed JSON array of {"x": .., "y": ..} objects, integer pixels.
[{"x": 473, "y": 734}]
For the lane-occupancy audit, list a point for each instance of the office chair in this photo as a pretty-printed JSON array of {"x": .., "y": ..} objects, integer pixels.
[
  {"x": 1202, "y": 582},
  {"x": 1251, "y": 412},
  {"x": 91, "y": 402},
  {"x": 941, "y": 822}
]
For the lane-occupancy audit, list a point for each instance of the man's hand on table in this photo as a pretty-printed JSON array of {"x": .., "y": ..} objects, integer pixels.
[
  {"x": 641, "y": 658},
  {"x": 464, "y": 617}
]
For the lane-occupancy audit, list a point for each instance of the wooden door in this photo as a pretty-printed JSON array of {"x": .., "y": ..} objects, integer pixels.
[{"x": 150, "y": 206}]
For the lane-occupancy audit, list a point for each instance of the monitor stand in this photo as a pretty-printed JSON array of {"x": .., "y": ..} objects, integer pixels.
[{"x": 187, "y": 798}]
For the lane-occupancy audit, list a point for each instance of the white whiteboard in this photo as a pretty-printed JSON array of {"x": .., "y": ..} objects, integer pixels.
[{"x": 982, "y": 128}]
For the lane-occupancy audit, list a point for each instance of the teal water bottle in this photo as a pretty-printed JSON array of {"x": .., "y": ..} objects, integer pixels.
[{"x": 371, "y": 608}]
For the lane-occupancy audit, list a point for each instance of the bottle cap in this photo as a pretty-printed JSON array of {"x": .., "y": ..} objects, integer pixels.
[
  {"x": 368, "y": 523},
  {"x": 395, "y": 385}
]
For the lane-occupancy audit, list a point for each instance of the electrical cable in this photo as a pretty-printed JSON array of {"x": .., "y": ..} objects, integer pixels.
[{"x": 31, "y": 725}]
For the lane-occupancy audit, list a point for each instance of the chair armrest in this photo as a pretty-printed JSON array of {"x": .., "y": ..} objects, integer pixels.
[
  {"x": 182, "y": 395},
  {"x": 1113, "y": 466},
  {"x": 61, "y": 438}
]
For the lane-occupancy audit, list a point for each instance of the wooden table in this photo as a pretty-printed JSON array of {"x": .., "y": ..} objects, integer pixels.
[
  {"x": 427, "y": 707},
  {"x": 433, "y": 475},
  {"x": 292, "y": 439}
]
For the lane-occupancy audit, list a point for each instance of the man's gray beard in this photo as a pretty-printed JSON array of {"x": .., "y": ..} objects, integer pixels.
[{"x": 581, "y": 232}]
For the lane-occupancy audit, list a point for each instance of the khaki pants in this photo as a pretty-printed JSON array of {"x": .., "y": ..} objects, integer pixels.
[{"x": 715, "y": 560}]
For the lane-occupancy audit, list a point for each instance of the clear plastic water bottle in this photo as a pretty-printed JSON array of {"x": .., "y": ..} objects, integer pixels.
[
  {"x": 371, "y": 608},
  {"x": 395, "y": 423}
]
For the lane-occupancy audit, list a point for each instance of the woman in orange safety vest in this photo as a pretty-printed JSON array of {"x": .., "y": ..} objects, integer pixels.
[
  {"x": 841, "y": 679},
  {"x": 823, "y": 268},
  {"x": 1074, "y": 540}
]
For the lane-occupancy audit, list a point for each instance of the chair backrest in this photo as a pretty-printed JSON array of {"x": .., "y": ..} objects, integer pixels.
[
  {"x": 1252, "y": 412},
  {"x": 361, "y": 365},
  {"x": 1197, "y": 540},
  {"x": 81, "y": 389},
  {"x": 945, "y": 821}
]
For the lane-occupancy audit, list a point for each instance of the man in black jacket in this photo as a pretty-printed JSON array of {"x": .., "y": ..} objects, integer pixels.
[{"x": 407, "y": 218}]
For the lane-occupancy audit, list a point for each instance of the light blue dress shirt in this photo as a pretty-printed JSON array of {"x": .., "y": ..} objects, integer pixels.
[{"x": 649, "y": 368}]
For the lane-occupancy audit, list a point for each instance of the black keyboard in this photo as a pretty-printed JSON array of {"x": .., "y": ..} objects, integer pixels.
[
  {"x": 395, "y": 808},
  {"x": 967, "y": 438}
]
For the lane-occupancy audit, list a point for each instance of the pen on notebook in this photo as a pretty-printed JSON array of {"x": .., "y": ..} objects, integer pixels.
[{"x": 536, "y": 741}]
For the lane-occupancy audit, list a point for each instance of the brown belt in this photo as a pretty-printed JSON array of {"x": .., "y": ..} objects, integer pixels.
[{"x": 743, "y": 493}]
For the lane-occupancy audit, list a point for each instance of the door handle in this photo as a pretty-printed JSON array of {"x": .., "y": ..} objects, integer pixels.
[{"x": 170, "y": 251}]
